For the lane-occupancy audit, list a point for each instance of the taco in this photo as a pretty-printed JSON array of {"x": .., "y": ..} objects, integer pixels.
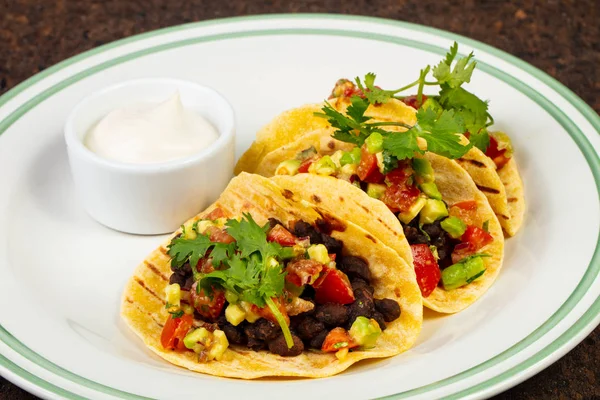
[
  {"x": 279, "y": 288},
  {"x": 427, "y": 209}
]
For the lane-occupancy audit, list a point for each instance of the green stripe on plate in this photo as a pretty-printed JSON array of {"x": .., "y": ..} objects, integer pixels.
[{"x": 578, "y": 136}]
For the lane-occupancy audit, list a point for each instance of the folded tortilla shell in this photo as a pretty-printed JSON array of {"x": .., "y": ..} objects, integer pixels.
[{"x": 143, "y": 305}]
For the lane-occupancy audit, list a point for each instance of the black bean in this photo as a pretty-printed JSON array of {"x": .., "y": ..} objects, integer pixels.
[
  {"x": 308, "y": 293},
  {"x": 304, "y": 229},
  {"x": 234, "y": 334},
  {"x": 262, "y": 330},
  {"x": 333, "y": 245},
  {"x": 256, "y": 344},
  {"x": 176, "y": 278},
  {"x": 318, "y": 340},
  {"x": 331, "y": 314},
  {"x": 358, "y": 283},
  {"x": 414, "y": 235},
  {"x": 279, "y": 346},
  {"x": 188, "y": 283},
  {"x": 274, "y": 222},
  {"x": 388, "y": 308},
  {"x": 354, "y": 267},
  {"x": 380, "y": 320},
  {"x": 184, "y": 270},
  {"x": 362, "y": 306},
  {"x": 433, "y": 230},
  {"x": 309, "y": 327}
]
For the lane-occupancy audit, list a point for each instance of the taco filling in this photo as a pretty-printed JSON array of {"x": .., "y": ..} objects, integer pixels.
[
  {"x": 272, "y": 287},
  {"x": 445, "y": 239}
]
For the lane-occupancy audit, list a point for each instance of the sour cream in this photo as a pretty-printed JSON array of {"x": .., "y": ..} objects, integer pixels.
[{"x": 151, "y": 133}]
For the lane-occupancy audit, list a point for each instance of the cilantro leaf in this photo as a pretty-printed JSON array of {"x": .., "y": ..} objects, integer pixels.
[
  {"x": 373, "y": 93},
  {"x": 440, "y": 133},
  {"x": 471, "y": 109},
  {"x": 461, "y": 73},
  {"x": 250, "y": 268},
  {"x": 222, "y": 252},
  {"x": 402, "y": 145},
  {"x": 350, "y": 128},
  {"x": 390, "y": 162},
  {"x": 182, "y": 250}
]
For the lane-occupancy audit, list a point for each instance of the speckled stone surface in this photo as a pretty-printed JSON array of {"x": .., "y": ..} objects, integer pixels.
[{"x": 560, "y": 37}]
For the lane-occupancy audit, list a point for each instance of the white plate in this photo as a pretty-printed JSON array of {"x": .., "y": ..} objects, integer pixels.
[{"x": 62, "y": 273}]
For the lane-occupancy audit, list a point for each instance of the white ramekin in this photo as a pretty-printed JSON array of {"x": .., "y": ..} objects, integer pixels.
[{"x": 150, "y": 198}]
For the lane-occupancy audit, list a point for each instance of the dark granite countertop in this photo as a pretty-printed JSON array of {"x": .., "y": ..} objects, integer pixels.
[{"x": 560, "y": 37}]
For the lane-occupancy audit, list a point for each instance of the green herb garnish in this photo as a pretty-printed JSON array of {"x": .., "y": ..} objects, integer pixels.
[{"x": 251, "y": 267}]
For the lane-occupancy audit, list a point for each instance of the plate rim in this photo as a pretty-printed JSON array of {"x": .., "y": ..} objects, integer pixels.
[{"x": 541, "y": 359}]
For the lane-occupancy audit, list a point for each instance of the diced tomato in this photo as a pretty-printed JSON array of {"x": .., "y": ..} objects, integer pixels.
[
  {"x": 266, "y": 312},
  {"x": 399, "y": 198},
  {"x": 473, "y": 239},
  {"x": 461, "y": 251},
  {"x": 305, "y": 165},
  {"x": 477, "y": 237},
  {"x": 219, "y": 235},
  {"x": 209, "y": 307},
  {"x": 400, "y": 175},
  {"x": 413, "y": 101},
  {"x": 215, "y": 214},
  {"x": 466, "y": 211},
  {"x": 426, "y": 268},
  {"x": 303, "y": 271},
  {"x": 332, "y": 257},
  {"x": 174, "y": 331},
  {"x": 368, "y": 170},
  {"x": 466, "y": 205},
  {"x": 333, "y": 287},
  {"x": 497, "y": 155},
  {"x": 337, "y": 339},
  {"x": 282, "y": 236},
  {"x": 205, "y": 266}
]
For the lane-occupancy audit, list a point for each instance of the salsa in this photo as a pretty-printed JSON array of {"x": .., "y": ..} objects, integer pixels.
[{"x": 320, "y": 295}]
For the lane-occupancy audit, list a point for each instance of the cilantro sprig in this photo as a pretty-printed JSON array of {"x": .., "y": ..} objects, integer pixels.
[
  {"x": 250, "y": 268},
  {"x": 468, "y": 112}
]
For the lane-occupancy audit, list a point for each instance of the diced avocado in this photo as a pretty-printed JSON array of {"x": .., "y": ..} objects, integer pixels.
[
  {"x": 295, "y": 291},
  {"x": 365, "y": 332},
  {"x": 231, "y": 297},
  {"x": 433, "y": 104},
  {"x": 318, "y": 252},
  {"x": 414, "y": 210},
  {"x": 432, "y": 211},
  {"x": 423, "y": 169},
  {"x": 235, "y": 314},
  {"x": 288, "y": 167},
  {"x": 219, "y": 345},
  {"x": 463, "y": 272},
  {"x": 287, "y": 253},
  {"x": 201, "y": 339},
  {"x": 376, "y": 190},
  {"x": 349, "y": 169},
  {"x": 431, "y": 190},
  {"x": 197, "y": 336},
  {"x": 335, "y": 157},
  {"x": 202, "y": 226},
  {"x": 374, "y": 143},
  {"x": 251, "y": 316},
  {"x": 380, "y": 161},
  {"x": 187, "y": 309},
  {"x": 173, "y": 296},
  {"x": 350, "y": 157},
  {"x": 454, "y": 226},
  {"x": 325, "y": 166}
]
